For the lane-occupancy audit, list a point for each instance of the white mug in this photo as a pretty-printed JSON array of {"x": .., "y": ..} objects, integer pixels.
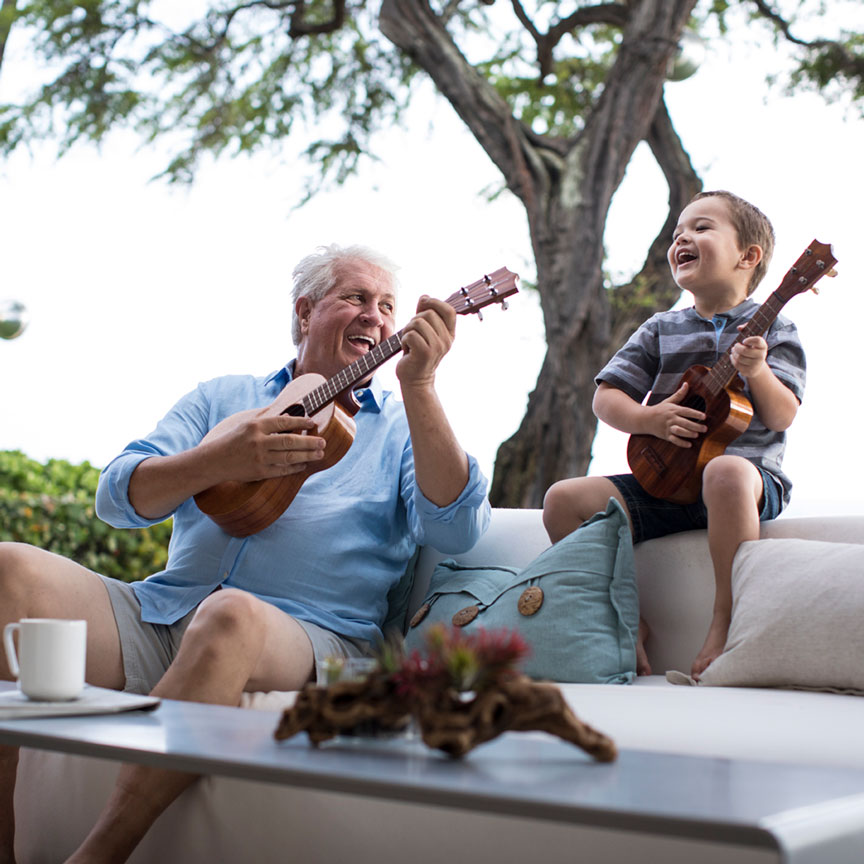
[{"x": 51, "y": 656}]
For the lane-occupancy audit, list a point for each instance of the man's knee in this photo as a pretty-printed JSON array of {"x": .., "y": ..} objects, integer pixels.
[
  {"x": 226, "y": 617},
  {"x": 17, "y": 566}
]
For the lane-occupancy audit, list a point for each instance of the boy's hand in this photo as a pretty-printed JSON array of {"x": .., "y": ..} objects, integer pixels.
[
  {"x": 748, "y": 355},
  {"x": 674, "y": 422}
]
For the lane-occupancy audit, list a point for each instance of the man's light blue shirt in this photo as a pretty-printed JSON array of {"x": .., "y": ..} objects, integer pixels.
[{"x": 342, "y": 544}]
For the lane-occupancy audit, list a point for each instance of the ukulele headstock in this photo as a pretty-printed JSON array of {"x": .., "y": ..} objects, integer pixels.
[
  {"x": 494, "y": 287},
  {"x": 816, "y": 261}
]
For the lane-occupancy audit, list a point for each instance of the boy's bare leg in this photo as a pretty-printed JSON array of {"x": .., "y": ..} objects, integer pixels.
[
  {"x": 569, "y": 503},
  {"x": 235, "y": 641},
  {"x": 732, "y": 490},
  {"x": 37, "y": 584},
  {"x": 643, "y": 667}
]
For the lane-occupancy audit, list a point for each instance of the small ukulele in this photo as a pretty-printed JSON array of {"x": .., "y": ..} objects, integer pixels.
[
  {"x": 242, "y": 509},
  {"x": 674, "y": 473}
]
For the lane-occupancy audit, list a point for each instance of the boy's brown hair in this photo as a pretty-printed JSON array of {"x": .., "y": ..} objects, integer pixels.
[{"x": 752, "y": 226}]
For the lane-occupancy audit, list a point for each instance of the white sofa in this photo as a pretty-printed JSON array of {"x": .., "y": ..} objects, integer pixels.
[{"x": 224, "y": 819}]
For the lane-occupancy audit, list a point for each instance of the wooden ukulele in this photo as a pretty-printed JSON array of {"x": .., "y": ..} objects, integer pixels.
[
  {"x": 675, "y": 473},
  {"x": 242, "y": 509}
]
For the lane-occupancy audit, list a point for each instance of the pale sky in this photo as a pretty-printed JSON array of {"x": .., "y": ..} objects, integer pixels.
[{"x": 137, "y": 291}]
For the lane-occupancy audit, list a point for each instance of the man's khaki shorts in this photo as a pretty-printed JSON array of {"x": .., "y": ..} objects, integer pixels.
[{"x": 149, "y": 649}]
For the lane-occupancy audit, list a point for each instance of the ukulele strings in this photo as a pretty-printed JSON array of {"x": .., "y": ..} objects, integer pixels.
[
  {"x": 325, "y": 393},
  {"x": 722, "y": 372}
]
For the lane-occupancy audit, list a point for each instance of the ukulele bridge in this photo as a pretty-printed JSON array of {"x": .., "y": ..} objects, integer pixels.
[{"x": 653, "y": 459}]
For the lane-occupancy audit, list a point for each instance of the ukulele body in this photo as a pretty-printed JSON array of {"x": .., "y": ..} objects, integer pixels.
[
  {"x": 241, "y": 509},
  {"x": 674, "y": 473}
]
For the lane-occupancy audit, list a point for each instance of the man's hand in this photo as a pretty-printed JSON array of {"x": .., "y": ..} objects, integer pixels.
[
  {"x": 440, "y": 463},
  {"x": 254, "y": 448},
  {"x": 426, "y": 338},
  {"x": 674, "y": 422},
  {"x": 748, "y": 356},
  {"x": 260, "y": 447}
]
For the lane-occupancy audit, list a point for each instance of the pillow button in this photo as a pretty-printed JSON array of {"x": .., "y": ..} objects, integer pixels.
[
  {"x": 419, "y": 615},
  {"x": 465, "y": 616},
  {"x": 530, "y": 600}
]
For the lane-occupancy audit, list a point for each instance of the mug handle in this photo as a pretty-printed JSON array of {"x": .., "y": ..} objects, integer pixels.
[{"x": 10, "y": 646}]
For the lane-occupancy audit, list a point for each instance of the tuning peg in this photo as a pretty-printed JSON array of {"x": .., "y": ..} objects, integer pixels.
[
  {"x": 815, "y": 288},
  {"x": 505, "y": 305},
  {"x": 831, "y": 273}
]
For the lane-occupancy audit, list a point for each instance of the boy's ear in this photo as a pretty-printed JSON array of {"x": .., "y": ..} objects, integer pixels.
[{"x": 751, "y": 256}]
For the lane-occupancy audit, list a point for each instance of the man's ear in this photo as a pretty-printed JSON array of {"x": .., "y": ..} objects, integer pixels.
[
  {"x": 751, "y": 256},
  {"x": 303, "y": 310}
]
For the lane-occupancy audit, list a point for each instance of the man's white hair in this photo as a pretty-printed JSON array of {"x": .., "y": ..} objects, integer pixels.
[{"x": 316, "y": 274}]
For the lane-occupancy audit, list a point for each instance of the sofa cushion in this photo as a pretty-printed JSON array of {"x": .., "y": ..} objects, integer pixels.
[
  {"x": 576, "y": 604},
  {"x": 796, "y": 618}
]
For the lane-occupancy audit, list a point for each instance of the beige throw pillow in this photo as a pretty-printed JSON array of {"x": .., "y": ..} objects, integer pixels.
[{"x": 797, "y": 617}]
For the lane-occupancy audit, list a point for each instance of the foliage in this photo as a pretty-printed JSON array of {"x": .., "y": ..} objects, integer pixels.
[
  {"x": 235, "y": 80},
  {"x": 239, "y": 77},
  {"x": 51, "y": 506}
]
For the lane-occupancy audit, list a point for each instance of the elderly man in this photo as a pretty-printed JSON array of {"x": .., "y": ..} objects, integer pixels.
[{"x": 230, "y": 614}]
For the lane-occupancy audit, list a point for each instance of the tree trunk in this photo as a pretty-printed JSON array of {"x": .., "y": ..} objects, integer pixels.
[{"x": 567, "y": 188}]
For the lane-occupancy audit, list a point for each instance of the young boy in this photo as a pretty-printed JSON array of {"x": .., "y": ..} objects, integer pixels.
[{"x": 720, "y": 251}]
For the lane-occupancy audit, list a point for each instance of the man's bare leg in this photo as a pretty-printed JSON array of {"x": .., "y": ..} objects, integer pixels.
[
  {"x": 234, "y": 642},
  {"x": 732, "y": 490},
  {"x": 38, "y": 584}
]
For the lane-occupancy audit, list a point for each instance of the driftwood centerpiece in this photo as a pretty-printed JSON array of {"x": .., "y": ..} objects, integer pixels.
[{"x": 462, "y": 692}]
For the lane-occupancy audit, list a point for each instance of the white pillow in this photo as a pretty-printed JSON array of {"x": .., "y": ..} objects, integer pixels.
[{"x": 797, "y": 617}]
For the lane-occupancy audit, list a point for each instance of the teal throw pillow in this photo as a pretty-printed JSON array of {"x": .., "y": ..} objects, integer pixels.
[{"x": 576, "y": 604}]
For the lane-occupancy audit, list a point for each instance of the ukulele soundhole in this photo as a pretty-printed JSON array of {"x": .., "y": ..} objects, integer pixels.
[
  {"x": 295, "y": 410},
  {"x": 695, "y": 401}
]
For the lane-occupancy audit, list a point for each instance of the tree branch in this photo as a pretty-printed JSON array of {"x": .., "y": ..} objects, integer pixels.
[
  {"x": 785, "y": 27},
  {"x": 603, "y": 13},
  {"x": 300, "y": 28},
  {"x": 652, "y": 288},
  {"x": 414, "y": 28}
]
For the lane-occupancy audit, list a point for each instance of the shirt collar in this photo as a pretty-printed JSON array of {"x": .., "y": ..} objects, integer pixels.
[
  {"x": 371, "y": 396},
  {"x": 735, "y": 312}
]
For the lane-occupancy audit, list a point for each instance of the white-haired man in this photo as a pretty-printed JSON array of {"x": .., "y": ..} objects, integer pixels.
[{"x": 230, "y": 614}]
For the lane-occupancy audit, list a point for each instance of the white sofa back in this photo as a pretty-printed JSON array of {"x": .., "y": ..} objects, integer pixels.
[{"x": 674, "y": 573}]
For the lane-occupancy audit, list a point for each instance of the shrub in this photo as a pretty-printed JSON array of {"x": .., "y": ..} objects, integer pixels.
[{"x": 51, "y": 506}]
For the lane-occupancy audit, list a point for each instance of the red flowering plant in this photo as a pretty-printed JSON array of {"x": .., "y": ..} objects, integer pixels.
[{"x": 460, "y": 661}]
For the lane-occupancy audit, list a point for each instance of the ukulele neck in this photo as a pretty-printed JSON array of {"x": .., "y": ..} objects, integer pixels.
[
  {"x": 351, "y": 375},
  {"x": 723, "y": 371}
]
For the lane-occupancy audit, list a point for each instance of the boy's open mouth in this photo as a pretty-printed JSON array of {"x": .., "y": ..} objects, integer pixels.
[{"x": 684, "y": 257}]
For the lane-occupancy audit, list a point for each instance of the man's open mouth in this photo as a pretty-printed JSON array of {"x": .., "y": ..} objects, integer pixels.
[{"x": 366, "y": 342}]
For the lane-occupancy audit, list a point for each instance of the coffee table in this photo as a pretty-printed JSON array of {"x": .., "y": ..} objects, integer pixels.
[{"x": 791, "y": 813}]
